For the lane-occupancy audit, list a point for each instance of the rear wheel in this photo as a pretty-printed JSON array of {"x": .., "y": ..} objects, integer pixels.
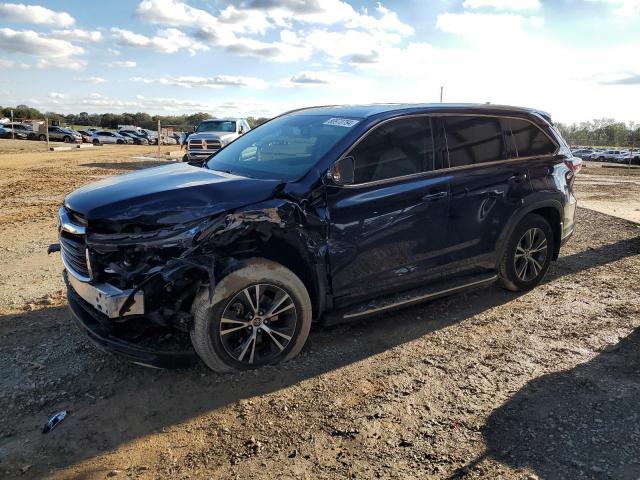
[
  {"x": 260, "y": 314},
  {"x": 42, "y": 138},
  {"x": 528, "y": 254},
  {"x": 120, "y": 142},
  {"x": 96, "y": 141},
  {"x": 66, "y": 139}
]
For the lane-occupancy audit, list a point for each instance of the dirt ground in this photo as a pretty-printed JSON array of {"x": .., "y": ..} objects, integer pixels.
[{"x": 487, "y": 384}]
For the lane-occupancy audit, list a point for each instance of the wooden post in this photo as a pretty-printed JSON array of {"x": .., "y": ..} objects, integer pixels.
[
  {"x": 13, "y": 135},
  {"x": 46, "y": 126},
  {"x": 159, "y": 135}
]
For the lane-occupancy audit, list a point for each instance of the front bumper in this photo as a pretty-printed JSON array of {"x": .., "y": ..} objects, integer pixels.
[
  {"x": 199, "y": 154},
  {"x": 127, "y": 339},
  {"x": 108, "y": 299}
]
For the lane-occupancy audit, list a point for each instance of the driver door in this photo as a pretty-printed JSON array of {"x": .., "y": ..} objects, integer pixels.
[{"x": 388, "y": 229}]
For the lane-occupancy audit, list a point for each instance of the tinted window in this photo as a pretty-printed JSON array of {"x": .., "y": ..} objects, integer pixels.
[
  {"x": 527, "y": 139},
  {"x": 473, "y": 140},
  {"x": 397, "y": 148}
]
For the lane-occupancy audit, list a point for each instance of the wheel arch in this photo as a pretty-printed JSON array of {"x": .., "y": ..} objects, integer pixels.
[
  {"x": 291, "y": 253},
  {"x": 551, "y": 210}
]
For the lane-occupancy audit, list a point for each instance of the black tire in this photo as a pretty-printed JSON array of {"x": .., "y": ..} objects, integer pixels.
[
  {"x": 510, "y": 269},
  {"x": 185, "y": 158},
  {"x": 601, "y": 159},
  {"x": 206, "y": 333},
  {"x": 66, "y": 139},
  {"x": 42, "y": 138},
  {"x": 119, "y": 142},
  {"x": 96, "y": 141}
]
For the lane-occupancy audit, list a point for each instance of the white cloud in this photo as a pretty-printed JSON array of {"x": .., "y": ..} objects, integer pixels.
[
  {"x": 93, "y": 80},
  {"x": 10, "y": 64},
  {"x": 219, "y": 81},
  {"x": 20, "y": 13},
  {"x": 62, "y": 64},
  {"x": 232, "y": 27},
  {"x": 56, "y": 95},
  {"x": 37, "y": 44},
  {"x": 77, "y": 34},
  {"x": 113, "y": 51},
  {"x": 121, "y": 64},
  {"x": 169, "y": 40},
  {"x": 502, "y": 4}
]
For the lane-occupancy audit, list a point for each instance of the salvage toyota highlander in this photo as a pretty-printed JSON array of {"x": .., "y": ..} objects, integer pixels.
[{"x": 327, "y": 213}]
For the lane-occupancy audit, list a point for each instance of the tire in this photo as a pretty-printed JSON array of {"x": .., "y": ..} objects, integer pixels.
[
  {"x": 42, "y": 138},
  {"x": 66, "y": 139},
  {"x": 96, "y": 141},
  {"x": 119, "y": 142},
  {"x": 601, "y": 159},
  {"x": 234, "y": 350},
  {"x": 185, "y": 158},
  {"x": 510, "y": 269}
]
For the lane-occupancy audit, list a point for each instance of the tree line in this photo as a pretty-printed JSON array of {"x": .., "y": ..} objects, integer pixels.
[
  {"x": 602, "y": 132},
  {"x": 598, "y": 132},
  {"x": 112, "y": 120}
]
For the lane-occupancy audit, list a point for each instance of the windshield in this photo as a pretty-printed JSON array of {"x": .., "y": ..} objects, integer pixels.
[
  {"x": 217, "y": 126},
  {"x": 284, "y": 148}
]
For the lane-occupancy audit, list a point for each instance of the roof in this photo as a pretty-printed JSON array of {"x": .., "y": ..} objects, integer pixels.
[{"x": 364, "y": 111}]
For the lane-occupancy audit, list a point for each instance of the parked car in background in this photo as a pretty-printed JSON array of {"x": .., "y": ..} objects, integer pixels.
[
  {"x": 611, "y": 155},
  {"x": 27, "y": 130},
  {"x": 87, "y": 136},
  {"x": 169, "y": 140},
  {"x": 7, "y": 132},
  {"x": 583, "y": 153},
  {"x": 136, "y": 138},
  {"x": 61, "y": 134},
  {"x": 329, "y": 212},
  {"x": 104, "y": 136},
  {"x": 211, "y": 135}
]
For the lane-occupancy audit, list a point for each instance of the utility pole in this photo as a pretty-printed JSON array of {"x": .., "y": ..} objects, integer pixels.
[
  {"x": 441, "y": 90},
  {"x": 46, "y": 126},
  {"x": 13, "y": 135},
  {"x": 159, "y": 135}
]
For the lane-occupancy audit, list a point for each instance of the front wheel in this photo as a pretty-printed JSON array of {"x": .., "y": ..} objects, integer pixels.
[
  {"x": 260, "y": 314},
  {"x": 528, "y": 254},
  {"x": 66, "y": 139},
  {"x": 42, "y": 138}
]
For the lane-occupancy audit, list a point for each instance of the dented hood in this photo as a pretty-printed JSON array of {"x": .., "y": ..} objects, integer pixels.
[{"x": 166, "y": 195}]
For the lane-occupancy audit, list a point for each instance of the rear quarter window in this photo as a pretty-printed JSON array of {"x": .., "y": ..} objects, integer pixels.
[{"x": 527, "y": 139}]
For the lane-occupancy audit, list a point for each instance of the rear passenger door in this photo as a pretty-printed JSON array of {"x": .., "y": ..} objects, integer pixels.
[
  {"x": 387, "y": 230},
  {"x": 487, "y": 188}
]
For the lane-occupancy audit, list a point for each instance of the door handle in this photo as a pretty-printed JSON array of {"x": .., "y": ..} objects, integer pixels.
[
  {"x": 518, "y": 177},
  {"x": 431, "y": 197}
]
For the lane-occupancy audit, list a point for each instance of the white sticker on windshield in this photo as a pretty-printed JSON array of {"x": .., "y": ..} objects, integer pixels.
[{"x": 341, "y": 122}]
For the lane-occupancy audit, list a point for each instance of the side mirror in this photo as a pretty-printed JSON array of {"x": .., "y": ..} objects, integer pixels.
[{"x": 343, "y": 171}]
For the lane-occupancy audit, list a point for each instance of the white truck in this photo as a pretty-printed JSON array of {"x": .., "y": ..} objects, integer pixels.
[{"x": 211, "y": 135}]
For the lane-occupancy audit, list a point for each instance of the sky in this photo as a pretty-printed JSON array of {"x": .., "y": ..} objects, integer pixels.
[{"x": 576, "y": 59}]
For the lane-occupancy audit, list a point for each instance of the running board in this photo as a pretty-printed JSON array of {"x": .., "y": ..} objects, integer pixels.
[{"x": 411, "y": 297}]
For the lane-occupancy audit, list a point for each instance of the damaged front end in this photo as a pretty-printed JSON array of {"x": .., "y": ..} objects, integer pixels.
[{"x": 131, "y": 287}]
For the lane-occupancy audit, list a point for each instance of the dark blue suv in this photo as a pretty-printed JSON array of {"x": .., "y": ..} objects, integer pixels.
[{"x": 326, "y": 213}]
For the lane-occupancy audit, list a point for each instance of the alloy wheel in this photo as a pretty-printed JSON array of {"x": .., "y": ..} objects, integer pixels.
[
  {"x": 258, "y": 324},
  {"x": 531, "y": 254}
]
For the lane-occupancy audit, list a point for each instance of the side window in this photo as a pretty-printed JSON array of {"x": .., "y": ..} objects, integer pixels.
[
  {"x": 527, "y": 139},
  {"x": 397, "y": 148},
  {"x": 473, "y": 140}
]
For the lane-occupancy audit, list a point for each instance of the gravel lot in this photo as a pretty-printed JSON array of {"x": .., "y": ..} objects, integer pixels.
[{"x": 487, "y": 384}]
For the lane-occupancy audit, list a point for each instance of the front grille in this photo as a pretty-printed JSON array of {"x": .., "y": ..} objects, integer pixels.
[
  {"x": 204, "y": 145},
  {"x": 74, "y": 253}
]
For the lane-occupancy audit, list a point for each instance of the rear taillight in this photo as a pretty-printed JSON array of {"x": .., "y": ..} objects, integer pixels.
[{"x": 574, "y": 164}]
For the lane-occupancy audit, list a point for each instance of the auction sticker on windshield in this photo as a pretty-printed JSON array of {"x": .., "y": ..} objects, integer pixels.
[{"x": 341, "y": 122}]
